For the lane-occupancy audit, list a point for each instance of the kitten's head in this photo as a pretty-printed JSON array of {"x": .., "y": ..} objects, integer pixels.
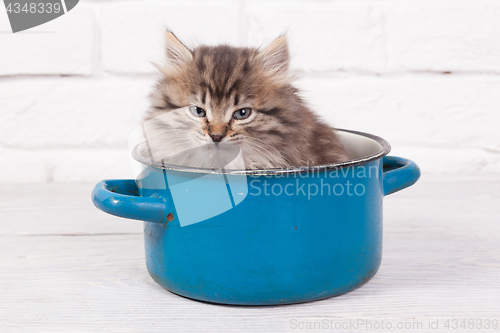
[{"x": 223, "y": 94}]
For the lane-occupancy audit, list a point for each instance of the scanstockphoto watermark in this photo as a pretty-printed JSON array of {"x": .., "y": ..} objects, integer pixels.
[
  {"x": 26, "y": 14},
  {"x": 348, "y": 181},
  {"x": 263, "y": 187},
  {"x": 470, "y": 324},
  {"x": 304, "y": 172},
  {"x": 355, "y": 324}
]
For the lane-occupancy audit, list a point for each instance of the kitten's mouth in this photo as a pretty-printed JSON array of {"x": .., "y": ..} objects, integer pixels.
[{"x": 217, "y": 138}]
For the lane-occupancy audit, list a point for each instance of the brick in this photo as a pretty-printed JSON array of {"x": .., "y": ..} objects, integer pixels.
[
  {"x": 62, "y": 46},
  {"x": 71, "y": 112},
  {"x": 446, "y": 161},
  {"x": 323, "y": 36},
  {"x": 445, "y": 111},
  {"x": 19, "y": 168},
  {"x": 132, "y": 33},
  {"x": 63, "y": 165},
  {"x": 92, "y": 165},
  {"x": 382, "y": 36},
  {"x": 443, "y": 35}
]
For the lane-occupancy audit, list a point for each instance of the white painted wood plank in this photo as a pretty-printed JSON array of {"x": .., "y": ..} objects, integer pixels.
[{"x": 65, "y": 266}]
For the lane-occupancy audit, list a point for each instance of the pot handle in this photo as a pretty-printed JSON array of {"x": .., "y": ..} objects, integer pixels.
[
  {"x": 120, "y": 197},
  {"x": 399, "y": 173}
]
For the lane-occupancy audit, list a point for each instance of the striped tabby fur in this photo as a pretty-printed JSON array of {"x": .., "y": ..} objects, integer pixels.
[{"x": 281, "y": 130}]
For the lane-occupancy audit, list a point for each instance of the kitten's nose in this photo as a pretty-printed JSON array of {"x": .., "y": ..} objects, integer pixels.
[{"x": 216, "y": 138}]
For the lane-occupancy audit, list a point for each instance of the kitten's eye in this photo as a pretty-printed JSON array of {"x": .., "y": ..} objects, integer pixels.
[
  {"x": 198, "y": 112},
  {"x": 242, "y": 113}
]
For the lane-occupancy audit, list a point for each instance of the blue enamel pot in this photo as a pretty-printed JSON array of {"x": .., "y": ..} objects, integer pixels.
[{"x": 263, "y": 237}]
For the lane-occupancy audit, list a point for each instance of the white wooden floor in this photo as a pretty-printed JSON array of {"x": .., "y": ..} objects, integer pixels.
[{"x": 65, "y": 266}]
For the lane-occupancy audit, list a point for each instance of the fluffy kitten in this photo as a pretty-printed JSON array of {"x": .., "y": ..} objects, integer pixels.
[{"x": 212, "y": 96}]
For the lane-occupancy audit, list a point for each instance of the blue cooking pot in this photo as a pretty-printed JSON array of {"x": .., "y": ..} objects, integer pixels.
[{"x": 262, "y": 237}]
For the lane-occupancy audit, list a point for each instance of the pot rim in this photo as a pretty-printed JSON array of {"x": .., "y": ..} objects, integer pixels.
[{"x": 386, "y": 148}]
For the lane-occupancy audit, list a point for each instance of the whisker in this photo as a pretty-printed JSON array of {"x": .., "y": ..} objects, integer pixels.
[
  {"x": 254, "y": 148},
  {"x": 266, "y": 144}
]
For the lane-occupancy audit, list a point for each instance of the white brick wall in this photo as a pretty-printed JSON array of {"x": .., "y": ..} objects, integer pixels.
[
  {"x": 425, "y": 75},
  {"x": 62, "y": 46},
  {"x": 132, "y": 34}
]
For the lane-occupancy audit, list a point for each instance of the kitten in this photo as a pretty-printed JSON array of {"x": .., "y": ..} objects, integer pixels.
[{"x": 221, "y": 96}]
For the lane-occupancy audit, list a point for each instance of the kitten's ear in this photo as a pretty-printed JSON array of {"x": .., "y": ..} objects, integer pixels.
[
  {"x": 276, "y": 57},
  {"x": 176, "y": 51}
]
